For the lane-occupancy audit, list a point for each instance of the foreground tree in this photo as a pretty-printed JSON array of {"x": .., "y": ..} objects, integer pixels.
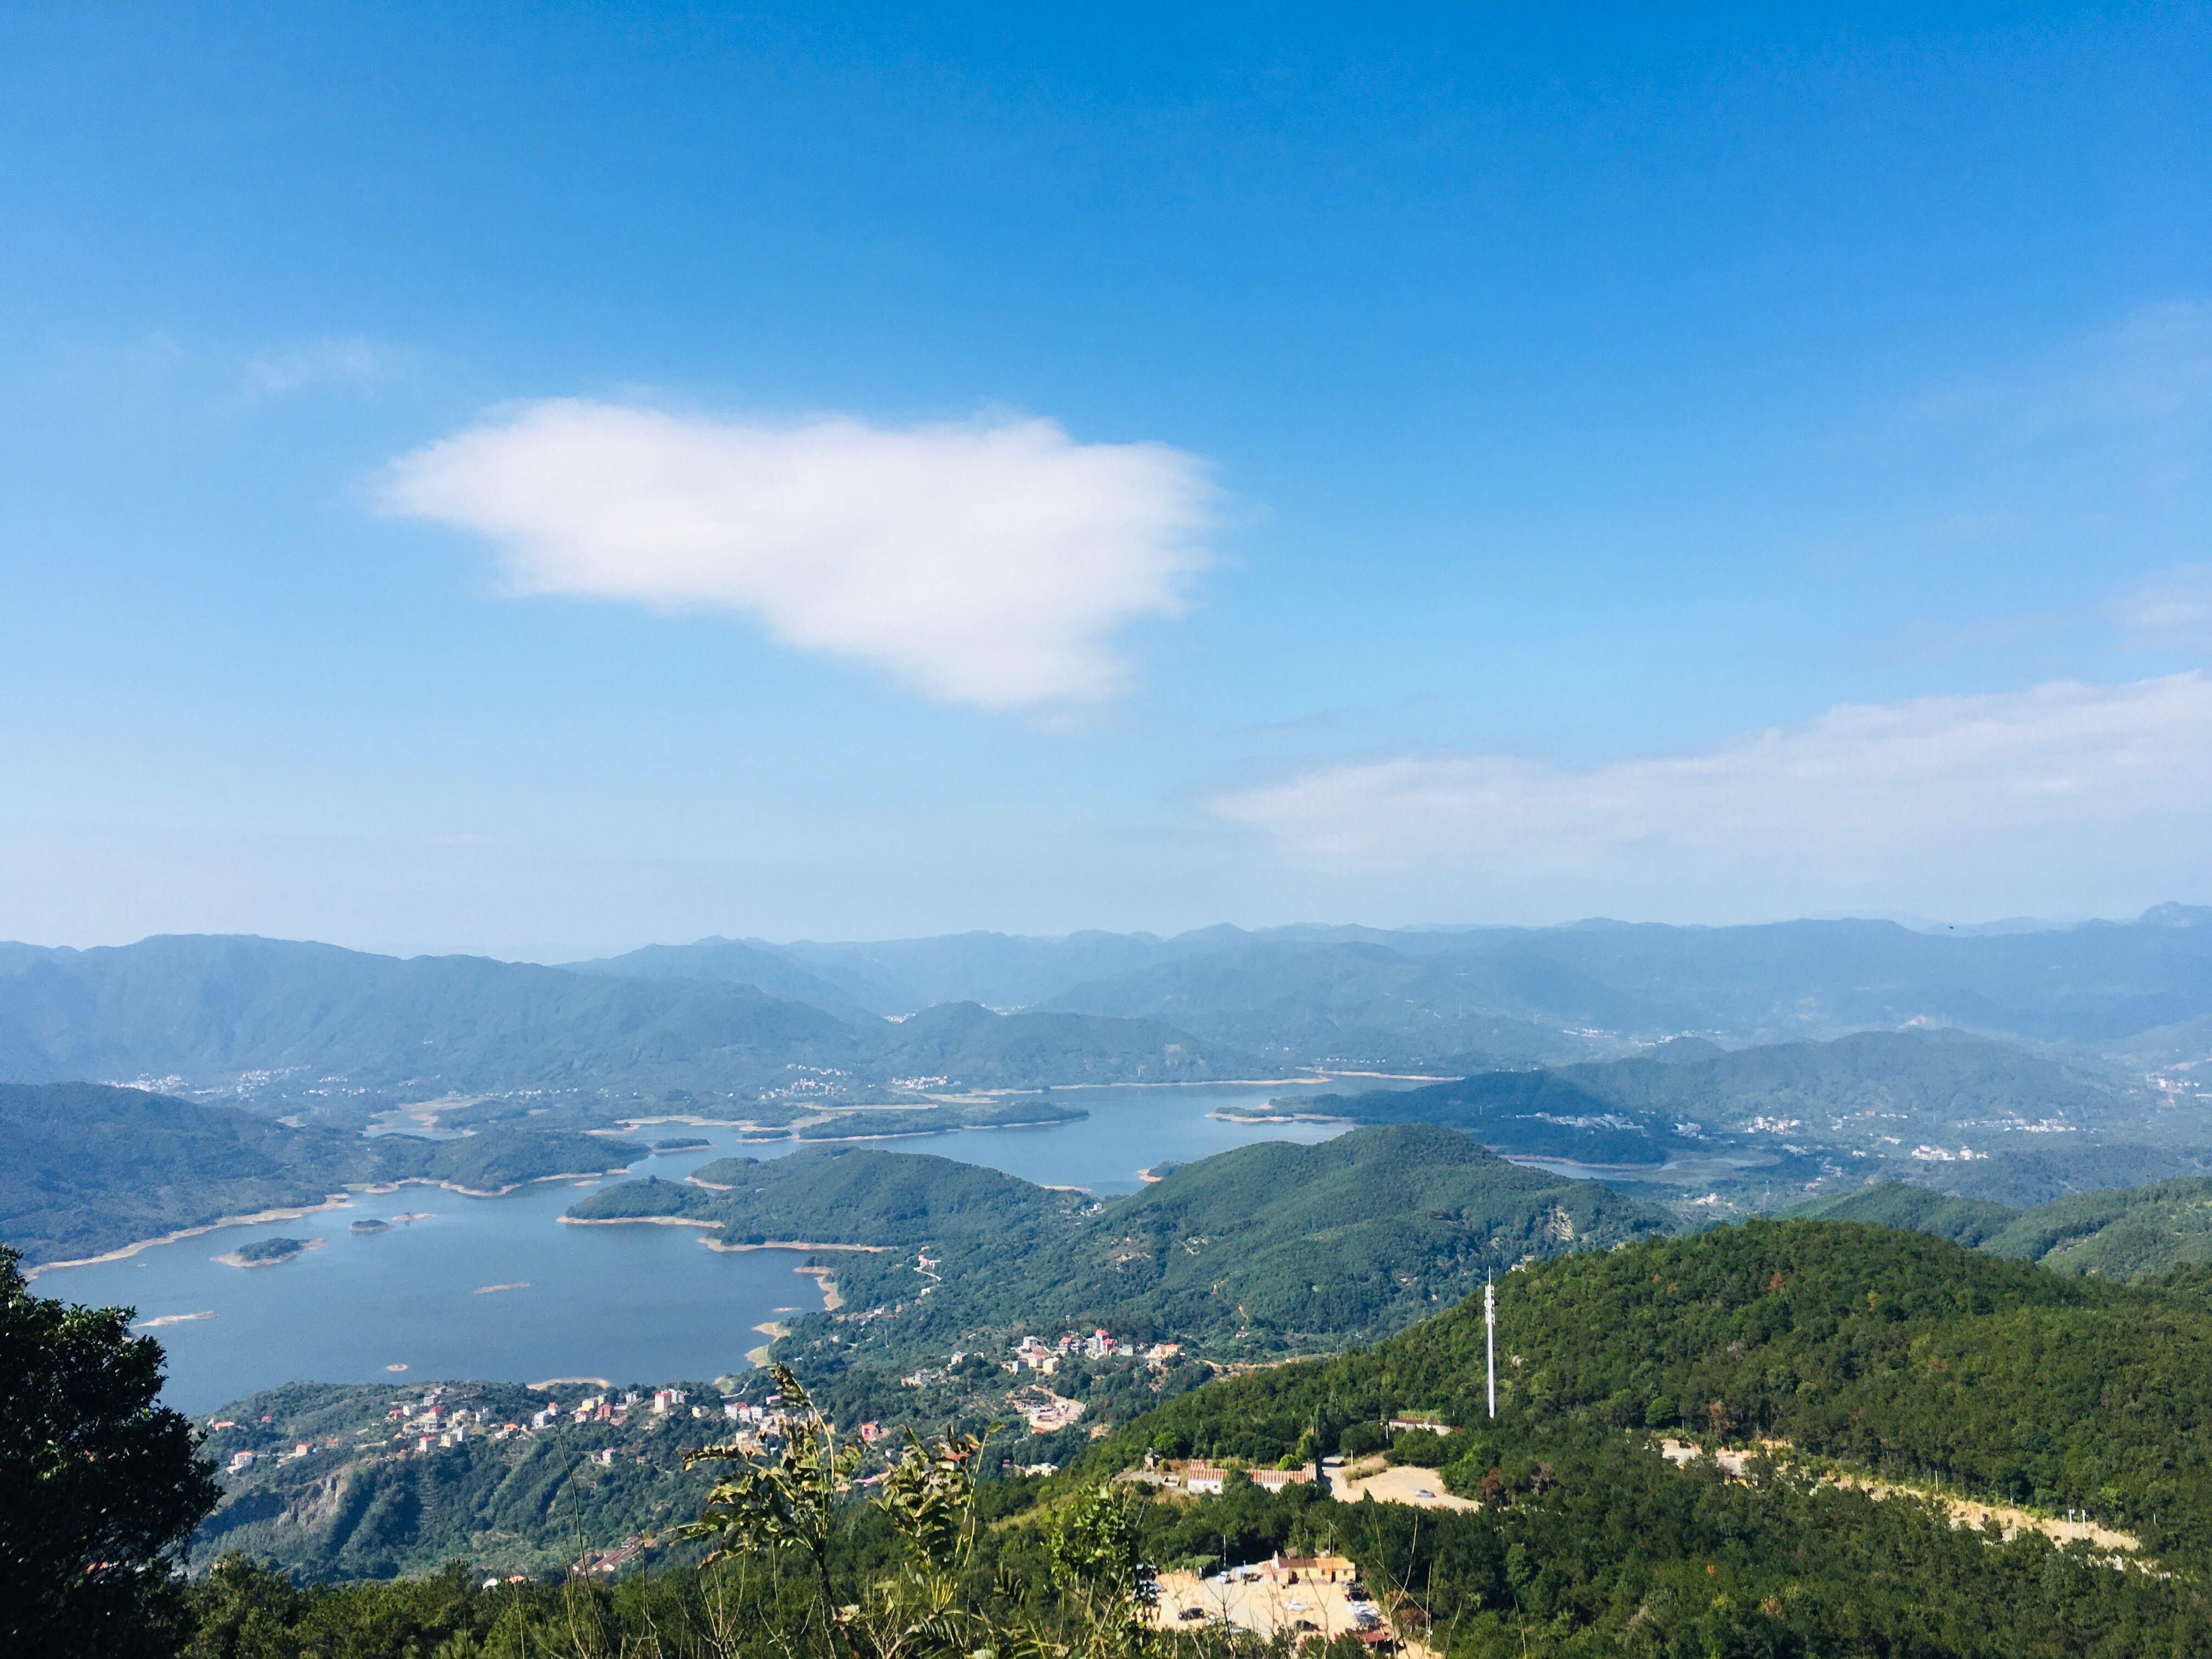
[
  {"x": 919, "y": 1610},
  {"x": 100, "y": 1485}
]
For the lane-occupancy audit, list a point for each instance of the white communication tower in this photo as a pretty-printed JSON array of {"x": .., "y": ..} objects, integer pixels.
[{"x": 1489, "y": 1338}]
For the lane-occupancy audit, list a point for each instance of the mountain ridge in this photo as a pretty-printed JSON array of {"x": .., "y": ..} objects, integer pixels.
[{"x": 323, "y": 1026}]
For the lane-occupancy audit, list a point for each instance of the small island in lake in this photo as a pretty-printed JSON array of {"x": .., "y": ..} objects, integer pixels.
[
  {"x": 682, "y": 1144},
  {"x": 370, "y": 1224},
  {"x": 268, "y": 1252}
]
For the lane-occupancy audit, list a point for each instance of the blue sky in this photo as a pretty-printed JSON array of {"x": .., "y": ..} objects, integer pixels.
[{"x": 538, "y": 480}]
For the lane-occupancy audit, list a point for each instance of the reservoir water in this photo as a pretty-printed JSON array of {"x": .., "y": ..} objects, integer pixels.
[{"x": 499, "y": 1288}]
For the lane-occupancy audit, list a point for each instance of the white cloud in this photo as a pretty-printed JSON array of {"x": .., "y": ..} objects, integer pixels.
[
  {"x": 985, "y": 563},
  {"x": 353, "y": 365},
  {"x": 2064, "y": 795}
]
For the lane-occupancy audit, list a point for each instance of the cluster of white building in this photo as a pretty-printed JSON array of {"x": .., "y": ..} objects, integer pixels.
[
  {"x": 431, "y": 1423},
  {"x": 1101, "y": 1344},
  {"x": 428, "y": 1424}
]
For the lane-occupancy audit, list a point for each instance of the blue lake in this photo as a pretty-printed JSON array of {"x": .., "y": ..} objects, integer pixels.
[{"x": 629, "y": 1303}]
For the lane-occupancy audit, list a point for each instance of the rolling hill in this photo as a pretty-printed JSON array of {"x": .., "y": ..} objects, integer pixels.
[
  {"x": 1882, "y": 1093},
  {"x": 1894, "y": 1353},
  {"x": 1269, "y": 1248},
  {"x": 2127, "y": 1233}
]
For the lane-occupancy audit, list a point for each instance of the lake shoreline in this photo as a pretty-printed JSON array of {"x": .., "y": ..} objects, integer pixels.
[
  {"x": 712, "y": 1244},
  {"x": 335, "y": 1202},
  {"x": 918, "y": 1134},
  {"x": 1280, "y": 1117},
  {"x": 383, "y": 1187}
]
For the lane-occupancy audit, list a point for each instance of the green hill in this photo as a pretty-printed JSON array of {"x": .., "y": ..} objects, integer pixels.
[
  {"x": 1344, "y": 1239},
  {"x": 1878, "y": 1093},
  {"x": 85, "y": 1168},
  {"x": 838, "y": 1195},
  {"x": 2133, "y": 1233},
  {"x": 1267, "y": 1249},
  {"x": 1967, "y": 1221},
  {"x": 2124, "y": 1233},
  {"x": 1895, "y": 1353},
  {"x": 365, "y": 1503}
]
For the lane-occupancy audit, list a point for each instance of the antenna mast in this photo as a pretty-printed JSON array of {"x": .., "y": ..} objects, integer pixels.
[{"x": 1490, "y": 1337}]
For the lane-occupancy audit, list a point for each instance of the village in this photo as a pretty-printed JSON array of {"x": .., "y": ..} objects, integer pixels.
[{"x": 1297, "y": 1598}]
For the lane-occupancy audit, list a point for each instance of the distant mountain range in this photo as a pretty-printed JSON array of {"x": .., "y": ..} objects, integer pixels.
[
  {"x": 721, "y": 1023},
  {"x": 1545, "y": 994},
  {"x": 315, "y": 1024}
]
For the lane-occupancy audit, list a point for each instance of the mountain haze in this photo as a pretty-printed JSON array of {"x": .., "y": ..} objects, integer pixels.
[
  {"x": 314, "y": 1023},
  {"x": 1517, "y": 993}
]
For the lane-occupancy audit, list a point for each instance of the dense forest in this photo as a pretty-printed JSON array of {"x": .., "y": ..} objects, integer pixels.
[
  {"x": 2124, "y": 1233},
  {"x": 1893, "y": 1352},
  {"x": 1616, "y": 1553}
]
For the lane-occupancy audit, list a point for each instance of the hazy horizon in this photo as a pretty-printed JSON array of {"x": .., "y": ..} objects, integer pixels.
[{"x": 556, "y": 956}]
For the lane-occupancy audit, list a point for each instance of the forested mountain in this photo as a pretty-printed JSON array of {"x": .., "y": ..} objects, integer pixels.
[
  {"x": 1894, "y": 1353},
  {"x": 742, "y": 1020},
  {"x": 86, "y": 1169},
  {"x": 1967, "y": 1222},
  {"x": 844, "y": 1195},
  {"x": 2125, "y": 1233},
  {"x": 978, "y": 1049},
  {"x": 323, "y": 1027},
  {"x": 1878, "y": 1093},
  {"x": 2177, "y": 1050},
  {"x": 1269, "y": 1248}
]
